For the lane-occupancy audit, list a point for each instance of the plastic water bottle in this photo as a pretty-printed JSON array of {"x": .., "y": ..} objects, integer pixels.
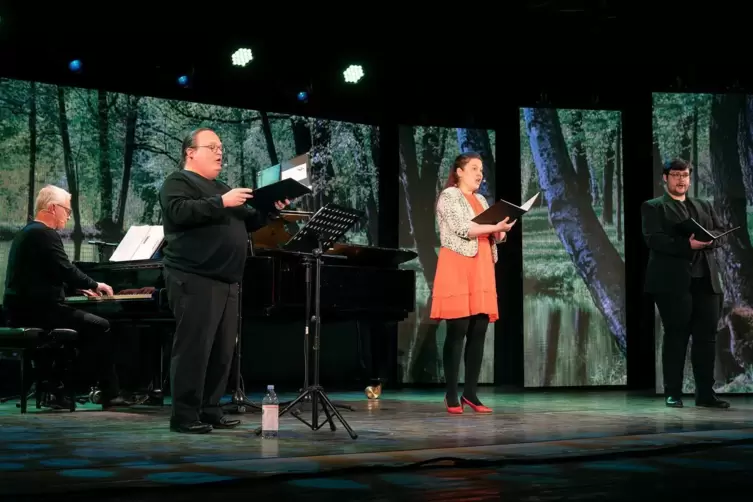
[{"x": 270, "y": 414}]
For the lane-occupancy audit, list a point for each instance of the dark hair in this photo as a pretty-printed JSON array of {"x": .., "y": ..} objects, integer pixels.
[
  {"x": 459, "y": 163},
  {"x": 189, "y": 141},
  {"x": 677, "y": 164}
]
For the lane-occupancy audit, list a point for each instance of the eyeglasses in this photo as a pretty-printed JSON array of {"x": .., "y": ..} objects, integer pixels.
[
  {"x": 212, "y": 148},
  {"x": 68, "y": 210},
  {"x": 680, "y": 176}
]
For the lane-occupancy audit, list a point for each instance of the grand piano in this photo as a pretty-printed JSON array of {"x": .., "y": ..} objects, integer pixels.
[{"x": 364, "y": 284}]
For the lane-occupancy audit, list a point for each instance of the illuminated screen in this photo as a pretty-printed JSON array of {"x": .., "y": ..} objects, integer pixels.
[
  {"x": 715, "y": 133},
  {"x": 268, "y": 175},
  {"x": 573, "y": 248},
  {"x": 98, "y": 143},
  {"x": 426, "y": 154}
]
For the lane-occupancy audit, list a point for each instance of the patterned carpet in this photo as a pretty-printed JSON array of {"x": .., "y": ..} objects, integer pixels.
[{"x": 531, "y": 436}]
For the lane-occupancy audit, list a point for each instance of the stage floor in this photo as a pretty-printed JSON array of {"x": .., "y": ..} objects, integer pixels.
[{"x": 57, "y": 451}]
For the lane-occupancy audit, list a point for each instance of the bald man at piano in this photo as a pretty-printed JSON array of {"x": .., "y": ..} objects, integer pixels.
[{"x": 36, "y": 279}]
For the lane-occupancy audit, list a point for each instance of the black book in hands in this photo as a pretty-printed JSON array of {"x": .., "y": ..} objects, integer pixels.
[
  {"x": 504, "y": 209},
  {"x": 264, "y": 198},
  {"x": 691, "y": 227}
]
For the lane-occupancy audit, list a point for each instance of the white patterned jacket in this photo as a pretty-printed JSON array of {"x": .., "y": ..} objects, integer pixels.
[{"x": 454, "y": 215}]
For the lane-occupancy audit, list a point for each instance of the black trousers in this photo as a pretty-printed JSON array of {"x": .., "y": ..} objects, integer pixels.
[
  {"x": 96, "y": 347},
  {"x": 206, "y": 316},
  {"x": 473, "y": 330},
  {"x": 694, "y": 312}
]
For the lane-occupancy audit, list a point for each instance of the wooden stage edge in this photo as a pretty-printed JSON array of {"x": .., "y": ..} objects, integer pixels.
[{"x": 48, "y": 451}]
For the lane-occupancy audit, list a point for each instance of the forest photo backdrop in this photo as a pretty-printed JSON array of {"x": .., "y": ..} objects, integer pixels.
[
  {"x": 426, "y": 154},
  {"x": 573, "y": 248},
  {"x": 112, "y": 152},
  {"x": 715, "y": 133}
]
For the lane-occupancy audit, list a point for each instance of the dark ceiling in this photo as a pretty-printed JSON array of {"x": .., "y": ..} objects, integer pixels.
[{"x": 462, "y": 61}]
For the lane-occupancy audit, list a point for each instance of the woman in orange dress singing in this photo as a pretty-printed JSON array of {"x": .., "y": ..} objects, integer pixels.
[{"x": 465, "y": 291}]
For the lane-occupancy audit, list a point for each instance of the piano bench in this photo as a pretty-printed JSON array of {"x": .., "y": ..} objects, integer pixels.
[{"x": 20, "y": 340}]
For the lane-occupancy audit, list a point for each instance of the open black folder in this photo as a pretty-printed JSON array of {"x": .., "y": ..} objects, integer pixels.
[
  {"x": 691, "y": 227},
  {"x": 264, "y": 198},
  {"x": 503, "y": 209}
]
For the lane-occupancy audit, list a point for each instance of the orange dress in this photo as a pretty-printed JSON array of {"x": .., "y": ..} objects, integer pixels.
[{"x": 465, "y": 286}]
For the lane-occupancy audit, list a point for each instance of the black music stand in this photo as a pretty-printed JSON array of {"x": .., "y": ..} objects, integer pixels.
[
  {"x": 239, "y": 398},
  {"x": 320, "y": 233}
]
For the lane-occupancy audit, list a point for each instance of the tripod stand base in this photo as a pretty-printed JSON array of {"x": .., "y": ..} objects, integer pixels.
[
  {"x": 305, "y": 404},
  {"x": 317, "y": 397},
  {"x": 241, "y": 403}
]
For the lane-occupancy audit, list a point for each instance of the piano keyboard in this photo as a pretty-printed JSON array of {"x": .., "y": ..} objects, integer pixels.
[{"x": 78, "y": 299}]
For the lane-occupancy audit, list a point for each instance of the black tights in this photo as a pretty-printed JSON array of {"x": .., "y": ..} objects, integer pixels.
[{"x": 473, "y": 329}]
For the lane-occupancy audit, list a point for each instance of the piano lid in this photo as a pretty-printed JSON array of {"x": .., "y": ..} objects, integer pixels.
[
  {"x": 271, "y": 236},
  {"x": 274, "y": 235},
  {"x": 278, "y": 232},
  {"x": 372, "y": 255},
  {"x": 290, "y": 215}
]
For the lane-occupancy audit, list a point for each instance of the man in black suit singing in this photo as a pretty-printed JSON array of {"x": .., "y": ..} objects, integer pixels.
[{"x": 683, "y": 278}]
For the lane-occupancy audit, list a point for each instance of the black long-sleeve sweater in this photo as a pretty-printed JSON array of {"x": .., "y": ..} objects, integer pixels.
[
  {"x": 204, "y": 237},
  {"x": 39, "y": 269}
]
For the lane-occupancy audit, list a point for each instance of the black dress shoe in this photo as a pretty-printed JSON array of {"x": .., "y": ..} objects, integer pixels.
[
  {"x": 711, "y": 402},
  {"x": 673, "y": 402},
  {"x": 222, "y": 423},
  {"x": 191, "y": 427}
]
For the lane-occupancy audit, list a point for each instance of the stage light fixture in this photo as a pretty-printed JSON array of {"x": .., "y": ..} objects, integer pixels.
[
  {"x": 75, "y": 65},
  {"x": 303, "y": 96},
  {"x": 183, "y": 80},
  {"x": 242, "y": 57},
  {"x": 353, "y": 73}
]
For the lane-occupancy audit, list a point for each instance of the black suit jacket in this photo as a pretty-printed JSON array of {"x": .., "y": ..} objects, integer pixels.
[{"x": 670, "y": 257}]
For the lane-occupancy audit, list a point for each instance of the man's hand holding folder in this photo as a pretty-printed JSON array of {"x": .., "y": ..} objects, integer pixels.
[
  {"x": 701, "y": 237},
  {"x": 272, "y": 195}
]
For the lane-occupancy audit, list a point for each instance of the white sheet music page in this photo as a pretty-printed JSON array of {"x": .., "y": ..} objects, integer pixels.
[
  {"x": 529, "y": 203},
  {"x": 139, "y": 243},
  {"x": 150, "y": 244},
  {"x": 130, "y": 243}
]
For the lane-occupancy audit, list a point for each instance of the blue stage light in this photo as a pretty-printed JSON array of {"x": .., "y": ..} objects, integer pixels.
[
  {"x": 75, "y": 65},
  {"x": 183, "y": 80},
  {"x": 303, "y": 96}
]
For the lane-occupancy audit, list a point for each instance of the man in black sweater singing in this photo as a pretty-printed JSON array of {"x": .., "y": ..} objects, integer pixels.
[
  {"x": 206, "y": 228},
  {"x": 38, "y": 274}
]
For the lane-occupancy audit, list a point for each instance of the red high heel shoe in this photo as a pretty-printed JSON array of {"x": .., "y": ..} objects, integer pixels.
[
  {"x": 478, "y": 408},
  {"x": 453, "y": 410}
]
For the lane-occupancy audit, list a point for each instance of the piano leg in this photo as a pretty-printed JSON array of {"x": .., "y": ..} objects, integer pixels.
[
  {"x": 382, "y": 343},
  {"x": 157, "y": 396}
]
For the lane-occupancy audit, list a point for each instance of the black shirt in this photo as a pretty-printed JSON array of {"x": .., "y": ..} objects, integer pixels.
[
  {"x": 204, "y": 237},
  {"x": 700, "y": 267},
  {"x": 39, "y": 269}
]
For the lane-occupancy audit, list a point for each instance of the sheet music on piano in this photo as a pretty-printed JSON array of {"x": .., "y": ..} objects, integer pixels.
[{"x": 139, "y": 243}]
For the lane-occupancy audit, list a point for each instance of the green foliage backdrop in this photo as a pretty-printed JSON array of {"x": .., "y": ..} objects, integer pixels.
[
  {"x": 426, "y": 155},
  {"x": 714, "y": 132},
  {"x": 573, "y": 329},
  {"x": 112, "y": 151}
]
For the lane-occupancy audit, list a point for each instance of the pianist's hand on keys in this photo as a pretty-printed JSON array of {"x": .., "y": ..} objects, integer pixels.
[{"x": 102, "y": 289}]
